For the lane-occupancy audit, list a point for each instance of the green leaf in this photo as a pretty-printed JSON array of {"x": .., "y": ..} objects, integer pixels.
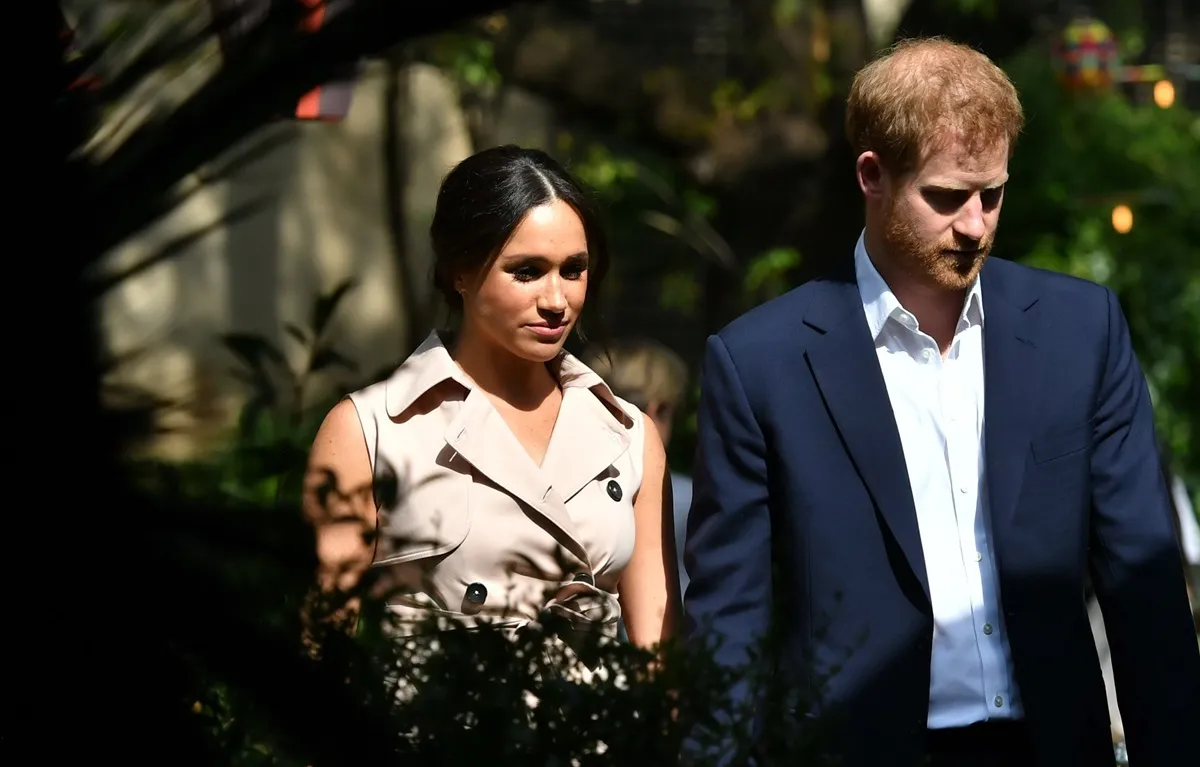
[
  {"x": 325, "y": 358},
  {"x": 326, "y": 305}
]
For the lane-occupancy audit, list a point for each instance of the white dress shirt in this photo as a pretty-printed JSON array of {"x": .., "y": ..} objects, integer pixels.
[{"x": 938, "y": 406}]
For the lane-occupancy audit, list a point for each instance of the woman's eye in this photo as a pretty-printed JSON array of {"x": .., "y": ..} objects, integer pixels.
[
  {"x": 526, "y": 274},
  {"x": 573, "y": 272}
]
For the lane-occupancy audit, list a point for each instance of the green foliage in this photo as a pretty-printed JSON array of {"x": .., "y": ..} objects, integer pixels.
[
  {"x": 1079, "y": 158},
  {"x": 262, "y": 461},
  {"x": 649, "y": 202},
  {"x": 767, "y": 274},
  {"x": 985, "y": 8},
  {"x": 608, "y": 175},
  {"x": 730, "y": 98},
  {"x": 470, "y": 59}
]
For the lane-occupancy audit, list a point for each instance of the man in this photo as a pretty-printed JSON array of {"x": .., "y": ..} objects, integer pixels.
[
  {"x": 653, "y": 378},
  {"x": 936, "y": 448}
]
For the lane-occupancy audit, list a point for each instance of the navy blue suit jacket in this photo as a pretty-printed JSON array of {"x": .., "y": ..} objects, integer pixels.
[{"x": 799, "y": 456}]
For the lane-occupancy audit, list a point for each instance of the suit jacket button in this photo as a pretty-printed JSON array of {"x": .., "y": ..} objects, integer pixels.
[
  {"x": 614, "y": 490},
  {"x": 476, "y": 593},
  {"x": 585, "y": 578}
]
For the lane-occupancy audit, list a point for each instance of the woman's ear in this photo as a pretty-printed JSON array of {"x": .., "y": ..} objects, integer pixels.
[{"x": 466, "y": 280}]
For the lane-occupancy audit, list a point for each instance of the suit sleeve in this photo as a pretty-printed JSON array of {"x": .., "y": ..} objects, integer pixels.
[
  {"x": 1137, "y": 569},
  {"x": 728, "y": 542}
]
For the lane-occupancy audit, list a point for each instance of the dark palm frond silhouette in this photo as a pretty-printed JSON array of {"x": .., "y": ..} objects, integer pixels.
[{"x": 267, "y": 67}]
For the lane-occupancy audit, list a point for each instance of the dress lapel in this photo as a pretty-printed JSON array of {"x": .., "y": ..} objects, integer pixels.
[
  {"x": 587, "y": 440},
  {"x": 480, "y": 435}
]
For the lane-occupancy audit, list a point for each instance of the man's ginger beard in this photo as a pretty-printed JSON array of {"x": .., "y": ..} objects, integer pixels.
[{"x": 926, "y": 262}]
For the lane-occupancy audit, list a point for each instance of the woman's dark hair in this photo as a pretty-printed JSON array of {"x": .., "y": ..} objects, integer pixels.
[{"x": 483, "y": 200}]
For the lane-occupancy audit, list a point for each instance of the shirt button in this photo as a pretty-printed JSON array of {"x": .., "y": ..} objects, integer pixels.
[
  {"x": 927, "y": 354},
  {"x": 998, "y": 701},
  {"x": 978, "y": 556},
  {"x": 987, "y": 629},
  {"x": 962, "y": 489}
]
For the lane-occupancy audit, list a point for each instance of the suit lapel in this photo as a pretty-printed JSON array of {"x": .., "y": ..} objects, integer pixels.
[
  {"x": 480, "y": 435},
  {"x": 843, "y": 362},
  {"x": 1013, "y": 370}
]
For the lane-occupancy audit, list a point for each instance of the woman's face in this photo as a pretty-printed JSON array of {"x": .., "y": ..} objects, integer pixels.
[{"x": 530, "y": 296}]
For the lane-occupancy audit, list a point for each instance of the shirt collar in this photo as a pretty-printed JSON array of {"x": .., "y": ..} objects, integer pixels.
[{"x": 880, "y": 303}]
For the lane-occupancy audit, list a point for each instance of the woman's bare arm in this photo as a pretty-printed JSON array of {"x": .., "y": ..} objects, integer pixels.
[
  {"x": 649, "y": 588},
  {"x": 338, "y": 499}
]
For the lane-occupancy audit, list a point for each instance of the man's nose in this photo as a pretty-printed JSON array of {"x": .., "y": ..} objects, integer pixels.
[{"x": 970, "y": 223}]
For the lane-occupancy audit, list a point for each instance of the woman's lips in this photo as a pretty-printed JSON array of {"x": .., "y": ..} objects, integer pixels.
[{"x": 548, "y": 332}]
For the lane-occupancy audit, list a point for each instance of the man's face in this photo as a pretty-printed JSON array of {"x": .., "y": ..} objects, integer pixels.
[{"x": 940, "y": 219}]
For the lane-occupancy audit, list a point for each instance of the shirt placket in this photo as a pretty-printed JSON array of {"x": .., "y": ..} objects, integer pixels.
[
  {"x": 962, "y": 463},
  {"x": 1001, "y": 697},
  {"x": 939, "y": 373}
]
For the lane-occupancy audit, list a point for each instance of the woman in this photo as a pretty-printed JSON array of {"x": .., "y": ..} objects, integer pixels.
[{"x": 524, "y": 484}]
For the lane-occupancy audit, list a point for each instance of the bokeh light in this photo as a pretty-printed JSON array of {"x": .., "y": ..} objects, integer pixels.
[{"x": 1122, "y": 219}]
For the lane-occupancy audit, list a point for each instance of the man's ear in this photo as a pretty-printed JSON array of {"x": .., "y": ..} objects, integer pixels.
[{"x": 872, "y": 176}]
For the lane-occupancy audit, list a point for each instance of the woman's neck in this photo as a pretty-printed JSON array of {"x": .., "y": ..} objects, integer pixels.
[{"x": 522, "y": 383}]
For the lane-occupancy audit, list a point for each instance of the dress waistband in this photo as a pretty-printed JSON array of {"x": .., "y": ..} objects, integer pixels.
[{"x": 582, "y": 605}]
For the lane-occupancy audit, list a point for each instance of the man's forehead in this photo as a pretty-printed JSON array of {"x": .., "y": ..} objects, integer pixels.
[{"x": 956, "y": 165}]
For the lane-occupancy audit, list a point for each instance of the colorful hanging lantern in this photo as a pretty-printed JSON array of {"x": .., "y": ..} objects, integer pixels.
[{"x": 1086, "y": 55}]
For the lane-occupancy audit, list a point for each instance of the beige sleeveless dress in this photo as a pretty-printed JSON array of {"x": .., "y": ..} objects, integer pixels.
[{"x": 477, "y": 531}]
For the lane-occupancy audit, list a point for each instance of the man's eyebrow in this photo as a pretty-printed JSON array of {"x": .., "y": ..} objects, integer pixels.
[{"x": 945, "y": 185}]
